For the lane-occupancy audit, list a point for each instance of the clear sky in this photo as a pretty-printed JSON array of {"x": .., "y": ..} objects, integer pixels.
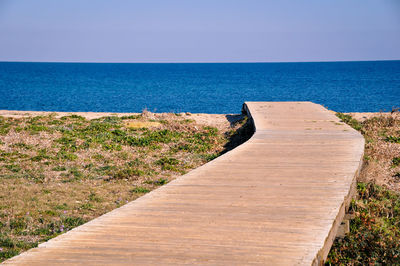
[{"x": 199, "y": 30}]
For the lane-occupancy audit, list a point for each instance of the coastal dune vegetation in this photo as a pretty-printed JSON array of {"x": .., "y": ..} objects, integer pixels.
[
  {"x": 58, "y": 172},
  {"x": 374, "y": 237}
]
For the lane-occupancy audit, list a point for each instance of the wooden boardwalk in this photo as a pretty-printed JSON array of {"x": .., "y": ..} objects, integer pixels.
[{"x": 277, "y": 199}]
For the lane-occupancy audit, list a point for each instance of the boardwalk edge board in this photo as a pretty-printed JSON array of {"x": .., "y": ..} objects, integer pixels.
[{"x": 324, "y": 251}]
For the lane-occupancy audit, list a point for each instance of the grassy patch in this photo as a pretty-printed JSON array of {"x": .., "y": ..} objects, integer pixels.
[
  {"x": 374, "y": 237},
  {"x": 395, "y": 162},
  {"x": 392, "y": 139},
  {"x": 168, "y": 163},
  {"x": 140, "y": 190},
  {"x": 348, "y": 119},
  {"x": 158, "y": 182},
  {"x": 69, "y": 170}
]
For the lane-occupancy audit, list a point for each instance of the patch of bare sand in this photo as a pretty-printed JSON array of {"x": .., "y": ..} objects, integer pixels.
[
  {"x": 87, "y": 115},
  {"x": 361, "y": 117}
]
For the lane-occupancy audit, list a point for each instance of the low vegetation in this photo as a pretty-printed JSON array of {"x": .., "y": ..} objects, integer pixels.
[
  {"x": 374, "y": 237},
  {"x": 57, "y": 173}
]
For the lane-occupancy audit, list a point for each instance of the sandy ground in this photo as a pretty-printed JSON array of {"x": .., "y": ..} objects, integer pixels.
[
  {"x": 216, "y": 120},
  {"x": 219, "y": 121},
  {"x": 363, "y": 116},
  {"x": 87, "y": 115},
  {"x": 94, "y": 115}
]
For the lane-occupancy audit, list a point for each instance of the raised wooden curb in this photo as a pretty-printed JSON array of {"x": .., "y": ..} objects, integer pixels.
[{"x": 277, "y": 199}]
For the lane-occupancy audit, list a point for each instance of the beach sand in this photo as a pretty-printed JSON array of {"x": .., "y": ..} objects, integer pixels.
[
  {"x": 219, "y": 121},
  {"x": 364, "y": 116}
]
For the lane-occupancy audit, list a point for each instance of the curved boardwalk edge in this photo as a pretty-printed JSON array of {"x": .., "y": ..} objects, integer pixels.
[
  {"x": 323, "y": 252},
  {"x": 277, "y": 199}
]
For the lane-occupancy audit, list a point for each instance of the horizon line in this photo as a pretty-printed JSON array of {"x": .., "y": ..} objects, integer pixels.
[{"x": 204, "y": 62}]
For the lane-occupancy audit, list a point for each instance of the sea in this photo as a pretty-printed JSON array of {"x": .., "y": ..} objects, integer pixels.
[{"x": 364, "y": 86}]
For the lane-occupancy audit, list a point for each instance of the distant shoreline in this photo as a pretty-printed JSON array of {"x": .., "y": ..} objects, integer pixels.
[
  {"x": 205, "y": 62},
  {"x": 361, "y": 116}
]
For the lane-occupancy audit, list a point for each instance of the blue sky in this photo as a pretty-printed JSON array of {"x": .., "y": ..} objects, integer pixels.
[{"x": 199, "y": 31}]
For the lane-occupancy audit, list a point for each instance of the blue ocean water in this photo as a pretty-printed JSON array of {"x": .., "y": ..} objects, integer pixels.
[{"x": 199, "y": 88}]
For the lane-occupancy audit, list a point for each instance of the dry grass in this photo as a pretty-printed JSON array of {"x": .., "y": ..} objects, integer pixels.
[
  {"x": 139, "y": 124},
  {"x": 57, "y": 172},
  {"x": 382, "y": 136}
]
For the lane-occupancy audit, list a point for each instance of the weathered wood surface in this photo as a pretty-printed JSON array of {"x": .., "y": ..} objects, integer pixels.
[{"x": 277, "y": 199}]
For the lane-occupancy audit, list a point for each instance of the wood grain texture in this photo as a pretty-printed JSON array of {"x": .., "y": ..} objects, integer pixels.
[{"x": 277, "y": 199}]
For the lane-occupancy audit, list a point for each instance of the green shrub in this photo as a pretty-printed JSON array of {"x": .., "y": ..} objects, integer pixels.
[
  {"x": 6, "y": 254},
  {"x": 21, "y": 145},
  {"x": 4, "y": 126},
  {"x": 140, "y": 190},
  {"x": 395, "y": 161},
  {"x": 72, "y": 222},
  {"x": 59, "y": 168},
  {"x": 168, "y": 164},
  {"x": 210, "y": 157},
  {"x": 13, "y": 167},
  {"x": 41, "y": 155},
  {"x": 130, "y": 117},
  {"x": 128, "y": 173},
  {"x": 374, "y": 237},
  {"x": 68, "y": 143},
  {"x": 64, "y": 155},
  {"x": 350, "y": 121},
  {"x": 6, "y": 242},
  {"x": 393, "y": 139},
  {"x": 159, "y": 182},
  {"x": 74, "y": 117},
  {"x": 17, "y": 224},
  {"x": 36, "y": 128}
]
